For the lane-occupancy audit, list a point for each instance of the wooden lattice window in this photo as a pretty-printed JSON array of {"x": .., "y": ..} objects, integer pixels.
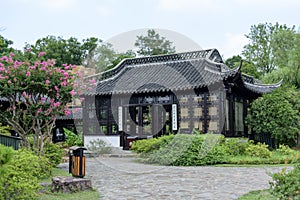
[
  {"x": 213, "y": 126},
  {"x": 198, "y": 112}
]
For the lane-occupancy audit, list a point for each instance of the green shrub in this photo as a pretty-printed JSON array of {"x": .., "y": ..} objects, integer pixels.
[
  {"x": 18, "y": 185},
  {"x": 6, "y": 154},
  {"x": 149, "y": 145},
  {"x": 5, "y": 130},
  {"x": 276, "y": 114},
  {"x": 54, "y": 154},
  {"x": 20, "y": 176},
  {"x": 185, "y": 150},
  {"x": 259, "y": 150},
  {"x": 236, "y": 146},
  {"x": 26, "y": 161},
  {"x": 168, "y": 153},
  {"x": 286, "y": 185},
  {"x": 205, "y": 149},
  {"x": 72, "y": 139},
  {"x": 285, "y": 150},
  {"x": 99, "y": 147}
]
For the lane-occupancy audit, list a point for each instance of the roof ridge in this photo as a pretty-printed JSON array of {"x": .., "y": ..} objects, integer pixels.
[{"x": 210, "y": 54}]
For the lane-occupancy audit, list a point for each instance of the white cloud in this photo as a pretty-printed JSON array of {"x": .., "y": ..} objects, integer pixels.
[
  {"x": 187, "y": 6},
  {"x": 234, "y": 44}
]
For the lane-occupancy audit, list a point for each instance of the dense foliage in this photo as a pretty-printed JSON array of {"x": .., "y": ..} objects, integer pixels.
[
  {"x": 209, "y": 149},
  {"x": 53, "y": 153},
  {"x": 247, "y": 67},
  {"x": 63, "y": 51},
  {"x": 153, "y": 44},
  {"x": 72, "y": 139},
  {"x": 276, "y": 113},
  {"x": 286, "y": 185},
  {"x": 37, "y": 92},
  {"x": 269, "y": 46},
  {"x": 106, "y": 57},
  {"x": 20, "y": 173}
]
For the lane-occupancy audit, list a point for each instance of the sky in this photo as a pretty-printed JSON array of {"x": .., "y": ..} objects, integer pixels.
[{"x": 189, "y": 24}]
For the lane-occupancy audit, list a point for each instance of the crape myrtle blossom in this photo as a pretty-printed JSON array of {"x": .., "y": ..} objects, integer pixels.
[{"x": 38, "y": 92}]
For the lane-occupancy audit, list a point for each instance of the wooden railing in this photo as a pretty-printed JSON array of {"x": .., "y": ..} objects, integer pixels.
[{"x": 10, "y": 141}]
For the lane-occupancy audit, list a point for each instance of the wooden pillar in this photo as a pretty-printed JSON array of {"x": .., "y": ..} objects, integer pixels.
[
  {"x": 154, "y": 119},
  {"x": 164, "y": 120},
  {"x": 231, "y": 115},
  {"x": 132, "y": 112},
  {"x": 245, "y": 107},
  {"x": 222, "y": 110},
  {"x": 140, "y": 120},
  {"x": 205, "y": 112}
]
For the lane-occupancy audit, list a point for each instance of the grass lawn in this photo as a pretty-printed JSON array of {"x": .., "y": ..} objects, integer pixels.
[
  {"x": 258, "y": 195},
  {"x": 90, "y": 195},
  {"x": 48, "y": 195}
]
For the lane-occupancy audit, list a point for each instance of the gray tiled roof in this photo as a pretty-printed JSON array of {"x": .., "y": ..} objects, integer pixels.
[
  {"x": 262, "y": 88},
  {"x": 171, "y": 73}
]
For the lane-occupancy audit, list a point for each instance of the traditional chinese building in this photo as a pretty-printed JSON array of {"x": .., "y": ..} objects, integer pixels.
[{"x": 153, "y": 96}]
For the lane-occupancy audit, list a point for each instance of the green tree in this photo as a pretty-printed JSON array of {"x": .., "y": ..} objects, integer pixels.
[
  {"x": 276, "y": 113},
  {"x": 247, "y": 67},
  {"x": 5, "y": 45},
  {"x": 294, "y": 61},
  {"x": 106, "y": 57},
  {"x": 70, "y": 51},
  {"x": 153, "y": 44},
  {"x": 284, "y": 40},
  {"x": 89, "y": 46},
  {"x": 267, "y": 45},
  {"x": 289, "y": 70}
]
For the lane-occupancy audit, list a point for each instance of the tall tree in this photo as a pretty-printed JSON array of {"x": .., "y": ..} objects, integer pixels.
[
  {"x": 153, "y": 44},
  {"x": 5, "y": 45},
  {"x": 89, "y": 46},
  {"x": 70, "y": 51},
  {"x": 267, "y": 45},
  {"x": 247, "y": 67},
  {"x": 294, "y": 61},
  {"x": 289, "y": 61},
  {"x": 106, "y": 57}
]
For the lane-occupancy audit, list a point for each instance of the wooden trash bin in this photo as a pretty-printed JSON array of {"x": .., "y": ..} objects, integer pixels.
[{"x": 77, "y": 161}]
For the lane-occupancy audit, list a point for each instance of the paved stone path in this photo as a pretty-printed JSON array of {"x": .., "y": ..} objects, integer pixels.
[{"x": 123, "y": 178}]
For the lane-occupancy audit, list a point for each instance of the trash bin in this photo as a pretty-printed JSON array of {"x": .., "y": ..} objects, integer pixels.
[
  {"x": 77, "y": 161},
  {"x": 129, "y": 140}
]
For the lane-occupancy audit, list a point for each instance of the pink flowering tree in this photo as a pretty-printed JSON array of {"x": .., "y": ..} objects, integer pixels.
[{"x": 37, "y": 92}]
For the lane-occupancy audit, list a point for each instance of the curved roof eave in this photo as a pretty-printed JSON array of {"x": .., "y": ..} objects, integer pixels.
[{"x": 262, "y": 88}]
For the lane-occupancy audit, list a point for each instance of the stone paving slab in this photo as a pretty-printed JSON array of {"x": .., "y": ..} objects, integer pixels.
[{"x": 125, "y": 179}]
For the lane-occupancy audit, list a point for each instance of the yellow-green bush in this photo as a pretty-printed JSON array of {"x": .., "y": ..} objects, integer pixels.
[
  {"x": 149, "y": 145},
  {"x": 20, "y": 174},
  {"x": 258, "y": 150}
]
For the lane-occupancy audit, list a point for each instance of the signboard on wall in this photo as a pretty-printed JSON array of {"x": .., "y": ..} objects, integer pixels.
[
  {"x": 120, "y": 118},
  {"x": 174, "y": 117}
]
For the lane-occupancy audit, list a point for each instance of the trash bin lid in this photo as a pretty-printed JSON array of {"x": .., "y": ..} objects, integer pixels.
[{"x": 74, "y": 148}]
